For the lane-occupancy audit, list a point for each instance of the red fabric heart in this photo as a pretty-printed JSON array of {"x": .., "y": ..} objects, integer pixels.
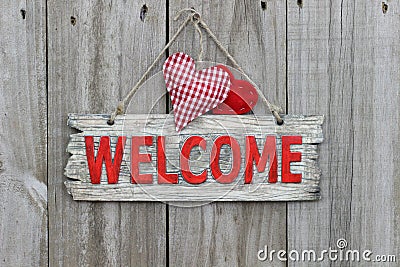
[
  {"x": 192, "y": 92},
  {"x": 241, "y": 98}
]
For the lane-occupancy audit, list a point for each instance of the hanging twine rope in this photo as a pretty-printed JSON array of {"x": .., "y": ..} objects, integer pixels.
[
  {"x": 198, "y": 22},
  {"x": 122, "y": 104}
]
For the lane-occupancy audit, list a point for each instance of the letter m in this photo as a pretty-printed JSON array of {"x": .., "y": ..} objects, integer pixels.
[
  {"x": 268, "y": 155},
  {"x": 95, "y": 164}
]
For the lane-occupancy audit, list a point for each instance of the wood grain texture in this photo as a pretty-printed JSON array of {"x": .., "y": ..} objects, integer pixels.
[
  {"x": 311, "y": 88},
  {"x": 23, "y": 149},
  {"x": 183, "y": 192},
  {"x": 93, "y": 62},
  {"x": 209, "y": 127},
  {"x": 343, "y": 61},
  {"x": 233, "y": 233}
]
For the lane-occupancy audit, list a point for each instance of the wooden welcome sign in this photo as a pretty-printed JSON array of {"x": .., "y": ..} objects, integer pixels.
[
  {"x": 214, "y": 158},
  {"x": 191, "y": 156}
]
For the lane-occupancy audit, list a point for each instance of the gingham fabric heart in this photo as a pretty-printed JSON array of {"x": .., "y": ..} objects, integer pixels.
[{"x": 192, "y": 92}]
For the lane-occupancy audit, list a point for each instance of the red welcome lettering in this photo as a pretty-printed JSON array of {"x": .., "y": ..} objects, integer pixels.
[
  {"x": 184, "y": 160},
  {"x": 215, "y": 156},
  {"x": 288, "y": 156},
  {"x": 268, "y": 154},
  {"x": 136, "y": 158},
  {"x": 163, "y": 176},
  {"x": 95, "y": 164}
]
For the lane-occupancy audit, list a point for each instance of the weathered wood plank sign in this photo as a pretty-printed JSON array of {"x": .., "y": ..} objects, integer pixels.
[{"x": 215, "y": 158}]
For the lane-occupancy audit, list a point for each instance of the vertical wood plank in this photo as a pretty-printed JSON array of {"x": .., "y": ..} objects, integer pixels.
[
  {"x": 231, "y": 234},
  {"x": 315, "y": 86},
  {"x": 23, "y": 149},
  {"x": 376, "y": 84},
  {"x": 343, "y": 60},
  {"x": 97, "y": 51}
]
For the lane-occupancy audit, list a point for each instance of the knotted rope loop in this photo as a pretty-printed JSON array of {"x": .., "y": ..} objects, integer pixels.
[{"x": 195, "y": 18}]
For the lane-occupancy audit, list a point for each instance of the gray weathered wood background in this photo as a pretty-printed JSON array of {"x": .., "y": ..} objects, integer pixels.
[{"x": 338, "y": 58}]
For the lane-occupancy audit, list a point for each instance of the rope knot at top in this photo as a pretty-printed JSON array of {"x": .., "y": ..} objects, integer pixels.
[
  {"x": 194, "y": 15},
  {"x": 196, "y": 19}
]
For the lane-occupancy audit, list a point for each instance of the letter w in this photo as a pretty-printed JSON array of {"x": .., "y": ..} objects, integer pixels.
[{"x": 95, "y": 164}]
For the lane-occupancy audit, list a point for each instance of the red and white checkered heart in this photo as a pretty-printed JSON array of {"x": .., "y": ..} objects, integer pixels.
[{"x": 192, "y": 92}]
